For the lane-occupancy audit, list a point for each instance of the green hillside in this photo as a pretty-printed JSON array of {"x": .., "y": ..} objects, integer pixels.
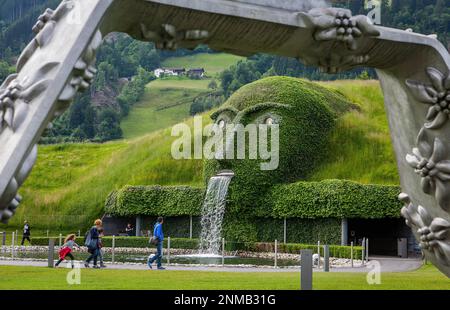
[
  {"x": 167, "y": 101},
  {"x": 360, "y": 147},
  {"x": 70, "y": 182}
]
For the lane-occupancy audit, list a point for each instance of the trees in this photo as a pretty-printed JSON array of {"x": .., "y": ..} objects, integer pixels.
[
  {"x": 212, "y": 84},
  {"x": 5, "y": 70}
]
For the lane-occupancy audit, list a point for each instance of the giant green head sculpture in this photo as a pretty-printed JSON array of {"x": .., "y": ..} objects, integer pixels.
[{"x": 305, "y": 115}]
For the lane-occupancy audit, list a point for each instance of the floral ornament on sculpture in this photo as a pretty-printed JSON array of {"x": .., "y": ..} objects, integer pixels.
[
  {"x": 434, "y": 233},
  {"x": 433, "y": 165},
  {"x": 436, "y": 94},
  {"x": 338, "y": 24},
  {"x": 7, "y": 98}
]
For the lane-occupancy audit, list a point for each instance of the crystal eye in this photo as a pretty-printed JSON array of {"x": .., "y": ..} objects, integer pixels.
[
  {"x": 221, "y": 124},
  {"x": 269, "y": 121}
]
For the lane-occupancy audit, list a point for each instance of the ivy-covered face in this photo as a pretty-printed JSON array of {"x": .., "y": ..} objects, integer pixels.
[{"x": 299, "y": 110}]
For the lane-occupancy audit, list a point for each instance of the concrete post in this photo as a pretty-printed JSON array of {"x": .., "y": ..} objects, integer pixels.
[
  {"x": 190, "y": 227},
  {"x": 138, "y": 226},
  {"x": 326, "y": 258},
  {"x": 223, "y": 252},
  {"x": 367, "y": 250},
  {"x": 306, "y": 273},
  {"x": 318, "y": 252},
  {"x": 51, "y": 253},
  {"x": 284, "y": 231},
  {"x": 344, "y": 231},
  {"x": 12, "y": 245},
  {"x": 79, "y": 233},
  {"x": 168, "y": 251},
  {"x": 113, "y": 249},
  {"x": 363, "y": 252},
  {"x": 47, "y": 233},
  {"x": 60, "y": 239},
  {"x": 276, "y": 253},
  {"x": 351, "y": 253}
]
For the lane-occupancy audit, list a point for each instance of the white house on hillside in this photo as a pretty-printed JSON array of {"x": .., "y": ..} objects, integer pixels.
[{"x": 171, "y": 71}]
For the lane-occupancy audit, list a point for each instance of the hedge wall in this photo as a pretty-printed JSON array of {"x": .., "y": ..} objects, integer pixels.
[
  {"x": 307, "y": 200},
  {"x": 332, "y": 198},
  {"x": 155, "y": 200}
]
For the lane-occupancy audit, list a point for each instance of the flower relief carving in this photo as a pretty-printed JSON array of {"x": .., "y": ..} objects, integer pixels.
[
  {"x": 434, "y": 233},
  {"x": 9, "y": 92},
  {"x": 435, "y": 94},
  {"x": 432, "y": 163},
  {"x": 16, "y": 94},
  {"x": 338, "y": 26}
]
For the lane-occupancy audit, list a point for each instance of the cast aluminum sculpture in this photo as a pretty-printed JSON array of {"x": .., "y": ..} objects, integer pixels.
[{"x": 413, "y": 71}]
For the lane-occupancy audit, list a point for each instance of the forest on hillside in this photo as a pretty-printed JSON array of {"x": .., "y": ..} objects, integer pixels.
[{"x": 125, "y": 66}]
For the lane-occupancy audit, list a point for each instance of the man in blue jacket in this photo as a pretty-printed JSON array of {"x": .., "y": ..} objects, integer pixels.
[{"x": 157, "y": 233}]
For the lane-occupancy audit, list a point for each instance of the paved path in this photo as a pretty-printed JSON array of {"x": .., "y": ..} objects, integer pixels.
[{"x": 387, "y": 264}]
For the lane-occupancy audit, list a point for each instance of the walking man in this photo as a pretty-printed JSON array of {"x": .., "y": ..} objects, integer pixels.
[
  {"x": 26, "y": 232},
  {"x": 158, "y": 238}
]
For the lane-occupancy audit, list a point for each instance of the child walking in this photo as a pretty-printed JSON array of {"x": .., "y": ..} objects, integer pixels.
[{"x": 66, "y": 250}]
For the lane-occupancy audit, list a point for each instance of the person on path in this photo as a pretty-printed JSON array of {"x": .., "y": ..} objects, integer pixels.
[
  {"x": 92, "y": 243},
  {"x": 100, "y": 247},
  {"x": 66, "y": 249},
  {"x": 26, "y": 232},
  {"x": 158, "y": 237},
  {"x": 129, "y": 230}
]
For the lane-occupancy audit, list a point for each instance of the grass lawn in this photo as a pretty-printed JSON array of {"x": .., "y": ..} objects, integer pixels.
[
  {"x": 159, "y": 108},
  {"x": 212, "y": 63},
  {"x": 43, "y": 278},
  {"x": 180, "y": 83}
]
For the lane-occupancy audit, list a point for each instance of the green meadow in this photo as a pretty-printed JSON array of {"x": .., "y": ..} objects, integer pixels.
[{"x": 42, "y": 278}]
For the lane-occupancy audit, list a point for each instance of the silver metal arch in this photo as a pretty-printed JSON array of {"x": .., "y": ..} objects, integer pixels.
[{"x": 413, "y": 70}]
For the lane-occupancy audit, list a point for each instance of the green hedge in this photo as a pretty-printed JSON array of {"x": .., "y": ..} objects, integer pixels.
[
  {"x": 324, "y": 199},
  {"x": 333, "y": 198},
  {"x": 155, "y": 200},
  {"x": 183, "y": 243},
  {"x": 338, "y": 251}
]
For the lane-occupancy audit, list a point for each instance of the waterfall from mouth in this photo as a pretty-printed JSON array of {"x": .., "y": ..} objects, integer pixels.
[{"x": 212, "y": 213}]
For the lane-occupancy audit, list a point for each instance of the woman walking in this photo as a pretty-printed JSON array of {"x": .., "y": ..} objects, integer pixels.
[
  {"x": 92, "y": 243},
  {"x": 66, "y": 250}
]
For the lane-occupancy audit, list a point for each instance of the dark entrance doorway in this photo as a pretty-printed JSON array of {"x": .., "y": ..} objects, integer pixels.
[{"x": 383, "y": 235}]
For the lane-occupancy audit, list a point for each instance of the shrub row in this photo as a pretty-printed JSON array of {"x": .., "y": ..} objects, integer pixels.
[
  {"x": 334, "y": 198},
  {"x": 155, "y": 200},
  {"x": 183, "y": 243},
  {"x": 324, "y": 199}
]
